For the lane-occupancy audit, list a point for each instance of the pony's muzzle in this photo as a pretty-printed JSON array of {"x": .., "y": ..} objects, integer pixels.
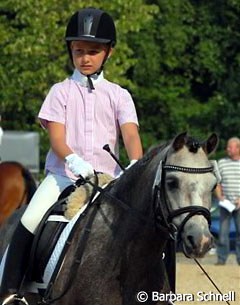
[{"x": 196, "y": 242}]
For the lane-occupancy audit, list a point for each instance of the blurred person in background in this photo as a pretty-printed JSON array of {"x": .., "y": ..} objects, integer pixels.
[{"x": 229, "y": 189}]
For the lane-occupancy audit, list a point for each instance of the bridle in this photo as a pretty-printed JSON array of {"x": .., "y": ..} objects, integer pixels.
[{"x": 164, "y": 214}]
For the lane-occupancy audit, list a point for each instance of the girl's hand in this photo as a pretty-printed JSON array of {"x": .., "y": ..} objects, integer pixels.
[{"x": 78, "y": 166}]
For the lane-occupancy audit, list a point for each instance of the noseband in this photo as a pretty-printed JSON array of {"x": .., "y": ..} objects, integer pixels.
[{"x": 164, "y": 214}]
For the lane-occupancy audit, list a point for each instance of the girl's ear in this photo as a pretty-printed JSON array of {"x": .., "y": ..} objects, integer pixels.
[
  {"x": 71, "y": 45},
  {"x": 110, "y": 52}
]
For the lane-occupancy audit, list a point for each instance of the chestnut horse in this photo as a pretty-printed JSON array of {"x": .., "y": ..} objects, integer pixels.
[{"x": 17, "y": 186}]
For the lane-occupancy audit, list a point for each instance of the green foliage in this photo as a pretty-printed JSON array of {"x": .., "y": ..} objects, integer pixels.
[
  {"x": 179, "y": 58},
  {"x": 34, "y": 56},
  {"x": 188, "y": 75}
]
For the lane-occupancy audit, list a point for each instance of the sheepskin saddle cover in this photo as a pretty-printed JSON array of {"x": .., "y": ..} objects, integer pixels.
[{"x": 82, "y": 194}]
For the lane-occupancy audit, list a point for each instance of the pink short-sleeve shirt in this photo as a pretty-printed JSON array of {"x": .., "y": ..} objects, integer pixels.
[{"x": 92, "y": 119}]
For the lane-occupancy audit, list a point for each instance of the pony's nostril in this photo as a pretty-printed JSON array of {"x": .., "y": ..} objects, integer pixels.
[{"x": 191, "y": 241}]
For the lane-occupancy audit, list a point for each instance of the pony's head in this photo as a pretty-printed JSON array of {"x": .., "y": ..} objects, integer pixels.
[
  {"x": 188, "y": 182},
  {"x": 176, "y": 179}
]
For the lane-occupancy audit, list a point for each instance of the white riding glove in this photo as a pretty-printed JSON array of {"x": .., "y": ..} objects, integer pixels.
[{"x": 78, "y": 166}]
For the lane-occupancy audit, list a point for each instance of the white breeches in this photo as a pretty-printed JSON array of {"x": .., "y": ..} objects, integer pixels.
[{"x": 45, "y": 196}]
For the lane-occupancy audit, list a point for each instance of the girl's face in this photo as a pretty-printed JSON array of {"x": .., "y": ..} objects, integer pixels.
[{"x": 88, "y": 56}]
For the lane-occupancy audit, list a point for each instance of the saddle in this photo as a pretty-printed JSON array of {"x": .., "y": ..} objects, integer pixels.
[
  {"x": 48, "y": 233},
  {"x": 70, "y": 201}
]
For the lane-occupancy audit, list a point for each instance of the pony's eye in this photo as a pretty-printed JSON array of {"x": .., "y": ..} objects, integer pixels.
[{"x": 172, "y": 183}]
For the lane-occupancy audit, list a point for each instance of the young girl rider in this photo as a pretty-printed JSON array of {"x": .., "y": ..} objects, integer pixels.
[{"x": 81, "y": 114}]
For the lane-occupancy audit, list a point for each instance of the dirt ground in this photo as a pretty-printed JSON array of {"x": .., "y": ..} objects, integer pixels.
[{"x": 192, "y": 280}]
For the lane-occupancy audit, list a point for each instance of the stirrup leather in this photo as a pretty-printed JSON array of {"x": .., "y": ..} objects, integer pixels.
[{"x": 14, "y": 297}]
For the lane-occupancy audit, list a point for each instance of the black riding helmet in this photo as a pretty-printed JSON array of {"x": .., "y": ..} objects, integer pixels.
[{"x": 91, "y": 24}]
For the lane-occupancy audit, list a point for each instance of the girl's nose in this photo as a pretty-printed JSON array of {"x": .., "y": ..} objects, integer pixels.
[{"x": 85, "y": 57}]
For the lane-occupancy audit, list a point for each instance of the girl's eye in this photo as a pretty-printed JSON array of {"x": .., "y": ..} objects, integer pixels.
[
  {"x": 77, "y": 52},
  {"x": 93, "y": 52}
]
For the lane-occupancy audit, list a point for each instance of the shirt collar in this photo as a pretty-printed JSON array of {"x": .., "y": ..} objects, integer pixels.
[{"x": 83, "y": 80}]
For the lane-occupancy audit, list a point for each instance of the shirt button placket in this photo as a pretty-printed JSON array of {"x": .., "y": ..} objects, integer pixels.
[{"x": 89, "y": 126}]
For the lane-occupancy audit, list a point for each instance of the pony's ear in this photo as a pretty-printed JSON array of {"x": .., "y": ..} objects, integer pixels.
[
  {"x": 179, "y": 141},
  {"x": 211, "y": 144}
]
